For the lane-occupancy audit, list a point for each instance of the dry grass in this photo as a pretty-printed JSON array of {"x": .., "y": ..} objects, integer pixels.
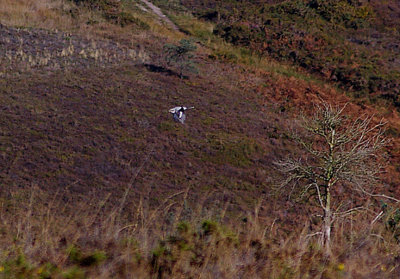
[
  {"x": 38, "y": 13},
  {"x": 65, "y": 16},
  {"x": 44, "y": 238}
]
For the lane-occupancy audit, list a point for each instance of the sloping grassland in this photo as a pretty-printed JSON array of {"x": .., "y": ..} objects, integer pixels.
[{"x": 97, "y": 181}]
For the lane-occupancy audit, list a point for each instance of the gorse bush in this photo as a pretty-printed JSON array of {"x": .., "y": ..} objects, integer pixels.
[
  {"x": 181, "y": 56},
  {"x": 391, "y": 217},
  {"x": 188, "y": 246},
  {"x": 349, "y": 13},
  {"x": 76, "y": 256}
]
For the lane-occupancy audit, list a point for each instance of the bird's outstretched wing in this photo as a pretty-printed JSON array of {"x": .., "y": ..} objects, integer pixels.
[{"x": 175, "y": 109}]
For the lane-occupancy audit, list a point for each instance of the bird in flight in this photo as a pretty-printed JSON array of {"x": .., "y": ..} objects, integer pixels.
[{"x": 178, "y": 113}]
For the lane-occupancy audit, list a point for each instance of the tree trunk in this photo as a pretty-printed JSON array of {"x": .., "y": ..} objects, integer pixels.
[
  {"x": 326, "y": 233},
  {"x": 327, "y": 225}
]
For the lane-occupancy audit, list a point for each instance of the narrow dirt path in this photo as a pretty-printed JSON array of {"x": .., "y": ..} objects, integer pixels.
[{"x": 160, "y": 14}]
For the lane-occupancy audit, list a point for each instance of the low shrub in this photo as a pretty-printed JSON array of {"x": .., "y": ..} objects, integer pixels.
[{"x": 181, "y": 56}]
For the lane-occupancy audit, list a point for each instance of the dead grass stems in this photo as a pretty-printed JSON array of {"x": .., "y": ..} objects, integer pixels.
[{"x": 141, "y": 242}]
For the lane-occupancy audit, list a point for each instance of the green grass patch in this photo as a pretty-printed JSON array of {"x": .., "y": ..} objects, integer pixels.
[
  {"x": 202, "y": 30},
  {"x": 226, "y": 149}
]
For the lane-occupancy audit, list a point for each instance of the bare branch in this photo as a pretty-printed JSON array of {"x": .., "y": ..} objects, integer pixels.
[
  {"x": 377, "y": 217},
  {"x": 320, "y": 197},
  {"x": 380, "y": 196},
  {"x": 313, "y": 234},
  {"x": 350, "y": 211}
]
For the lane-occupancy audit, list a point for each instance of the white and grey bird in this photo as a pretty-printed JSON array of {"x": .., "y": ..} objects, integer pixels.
[{"x": 178, "y": 113}]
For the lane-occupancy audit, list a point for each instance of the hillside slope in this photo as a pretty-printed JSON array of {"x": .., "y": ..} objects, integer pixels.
[
  {"x": 354, "y": 44},
  {"x": 98, "y": 181}
]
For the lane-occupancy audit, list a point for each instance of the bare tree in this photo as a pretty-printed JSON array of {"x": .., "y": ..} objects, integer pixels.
[{"x": 341, "y": 156}]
